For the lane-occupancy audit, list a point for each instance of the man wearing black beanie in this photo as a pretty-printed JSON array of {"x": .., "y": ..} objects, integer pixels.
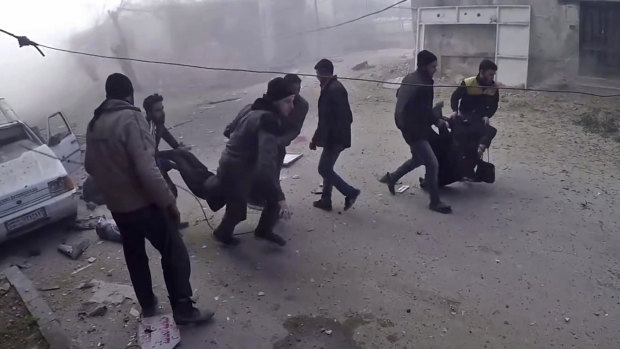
[
  {"x": 414, "y": 117},
  {"x": 251, "y": 160},
  {"x": 120, "y": 157}
]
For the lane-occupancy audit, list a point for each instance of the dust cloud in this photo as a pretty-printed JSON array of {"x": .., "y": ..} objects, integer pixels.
[{"x": 249, "y": 34}]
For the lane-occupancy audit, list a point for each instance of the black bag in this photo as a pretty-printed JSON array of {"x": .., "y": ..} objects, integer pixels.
[{"x": 485, "y": 172}]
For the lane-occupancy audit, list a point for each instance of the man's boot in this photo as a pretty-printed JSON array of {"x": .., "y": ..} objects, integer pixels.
[
  {"x": 390, "y": 182},
  {"x": 185, "y": 313},
  {"x": 268, "y": 219},
  {"x": 224, "y": 234}
]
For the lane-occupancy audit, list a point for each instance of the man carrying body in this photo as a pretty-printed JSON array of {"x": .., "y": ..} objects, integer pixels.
[
  {"x": 414, "y": 117},
  {"x": 120, "y": 156},
  {"x": 473, "y": 104},
  {"x": 291, "y": 128},
  {"x": 252, "y": 159},
  {"x": 333, "y": 134}
]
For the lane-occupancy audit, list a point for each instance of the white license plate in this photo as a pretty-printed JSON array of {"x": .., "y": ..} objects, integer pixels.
[{"x": 26, "y": 219}]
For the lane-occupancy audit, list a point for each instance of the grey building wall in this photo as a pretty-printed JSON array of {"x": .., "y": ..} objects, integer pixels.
[{"x": 554, "y": 41}]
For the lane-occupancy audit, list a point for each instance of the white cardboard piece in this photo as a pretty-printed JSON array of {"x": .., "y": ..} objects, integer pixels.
[{"x": 158, "y": 332}]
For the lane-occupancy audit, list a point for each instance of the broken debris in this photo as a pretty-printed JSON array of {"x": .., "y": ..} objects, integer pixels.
[
  {"x": 362, "y": 66},
  {"x": 158, "y": 332},
  {"x": 74, "y": 251},
  {"x": 108, "y": 230},
  {"x": 92, "y": 260},
  {"x": 134, "y": 312}
]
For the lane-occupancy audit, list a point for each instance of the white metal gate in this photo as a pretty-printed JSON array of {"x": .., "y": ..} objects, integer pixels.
[{"x": 512, "y": 39}]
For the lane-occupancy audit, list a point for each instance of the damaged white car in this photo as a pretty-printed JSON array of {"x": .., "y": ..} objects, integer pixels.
[{"x": 35, "y": 188}]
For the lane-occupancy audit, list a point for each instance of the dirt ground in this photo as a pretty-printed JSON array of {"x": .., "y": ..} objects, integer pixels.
[
  {"x": 531, "y": 261},
  {"x": 18, "y": 329}
]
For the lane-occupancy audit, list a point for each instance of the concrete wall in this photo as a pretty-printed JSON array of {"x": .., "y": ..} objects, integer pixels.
[{"x": 554, "y": 43}]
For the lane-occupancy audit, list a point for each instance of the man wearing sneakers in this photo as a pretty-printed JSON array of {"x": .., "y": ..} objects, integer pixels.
[
  {"x": 333, "y": 134},
  {"x": 414, "y": 118},
  {"x": 120, "y": 157}
]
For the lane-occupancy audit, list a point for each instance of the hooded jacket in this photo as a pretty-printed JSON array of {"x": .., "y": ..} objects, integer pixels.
[
  {"x": 251, "y": 155},
  {"x": 120, "y": 156},
  {"x": 414, "y": 107}
]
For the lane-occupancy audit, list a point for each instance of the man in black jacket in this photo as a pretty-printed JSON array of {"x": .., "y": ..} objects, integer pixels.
[
  {"x": 333, "y": 134},
  {"x": 251, "y": 158},
  {"x": 414, "y": 117}
]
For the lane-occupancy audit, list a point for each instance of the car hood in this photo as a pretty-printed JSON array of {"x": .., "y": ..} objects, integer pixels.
[{"x": 32, "y": 167}]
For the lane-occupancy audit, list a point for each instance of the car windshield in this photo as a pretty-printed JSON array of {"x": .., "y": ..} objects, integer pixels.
[{"x": 15, "y": 140}]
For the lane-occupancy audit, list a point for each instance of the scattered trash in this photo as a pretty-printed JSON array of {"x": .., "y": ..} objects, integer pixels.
[
  {"x": 49, "y": 288},
  {"x": 99, "y": 310},
  {"x": 567, "y": 319},
  {"x": 318, "y": 191},
  {"x": 92, "y": 260},
  {"x": 74, "y": 251},
  {"x": 296, "y": 177},
  {"x": 408, "y": 311},
  {"x": 403, "y": 188},
  {"x": 326, "y": 331},
  {"x": 362, "y": 66},
  {"x": 111, "y": 293},
  {"x": 158, "y": 332},
  {"x": 80, "y": 269},
  {"x": 532, "y": 323},
  {"x": 585, "y": 205},
  {"x": 261, "y": 293},
  {"x": 86, "y": 285},
  {"x": 291, "y": 158},
  {"x": 107, "y": 230},
  {"x": 393, "y": 84},
  {"x": 597, "y": 314},
  {"x": 234, "y": 99},
  {"x": 134, "y": 312},
  {"x": 204, "y": 246},
  {"x": 85, "y": 224},
  {"x": 497, "y": 261}
]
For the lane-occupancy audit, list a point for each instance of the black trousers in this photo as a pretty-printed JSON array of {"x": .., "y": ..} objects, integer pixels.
[{"x": 153, "y": 224}]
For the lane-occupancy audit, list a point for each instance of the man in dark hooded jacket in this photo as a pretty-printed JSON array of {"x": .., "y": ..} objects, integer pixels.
[
  {"x": 291, "y": 128},
  {"x": 414, "y": 118},
  {"x": 252, "y": 159},
  {"x": 120, "y": 157}
]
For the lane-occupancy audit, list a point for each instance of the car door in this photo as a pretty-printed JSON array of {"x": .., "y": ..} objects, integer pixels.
[{"x": 63, "y": 142}]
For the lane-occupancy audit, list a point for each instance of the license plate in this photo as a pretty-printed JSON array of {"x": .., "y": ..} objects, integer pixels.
[{"x": 25, "y": 220}]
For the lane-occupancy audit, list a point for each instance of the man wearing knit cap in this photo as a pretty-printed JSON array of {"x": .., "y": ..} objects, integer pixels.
[
  {"x": 251, "y": 159},
  {"x": 120, "y": 157},
  {"x": 414, "y": 117}
]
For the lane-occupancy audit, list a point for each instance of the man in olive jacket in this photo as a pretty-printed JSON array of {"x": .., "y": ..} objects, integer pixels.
[
  {"x": 333, "y": 134},
  {"x": 120, "y": 157}
]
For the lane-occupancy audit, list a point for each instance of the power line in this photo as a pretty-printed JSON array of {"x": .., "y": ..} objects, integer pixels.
[
  {"x": 272, "y": 72},
  {"x": 24, "y": 41},
  {"x": 355, "y": 19}
]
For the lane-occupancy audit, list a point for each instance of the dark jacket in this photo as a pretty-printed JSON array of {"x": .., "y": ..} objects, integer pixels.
[
  {"x": 414, "y": 107},
  {"x": 473, "y": 98},
  {"x": 291, "y": 126},
  {"x": 161, "y": 132},
  {"x": 290, "y": 129},
  {"x": 251, "y": 154},
  {"x": 335, "y": 116},
  {"x": 120, "y": 157}
]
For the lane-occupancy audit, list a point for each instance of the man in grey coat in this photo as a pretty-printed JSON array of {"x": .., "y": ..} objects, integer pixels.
[
  {"x": 120, "y": 157},
  {"x": 252, "y": 160}
]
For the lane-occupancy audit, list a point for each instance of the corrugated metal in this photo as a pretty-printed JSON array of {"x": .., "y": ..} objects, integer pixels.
[{"x": 600, "y": 39}]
